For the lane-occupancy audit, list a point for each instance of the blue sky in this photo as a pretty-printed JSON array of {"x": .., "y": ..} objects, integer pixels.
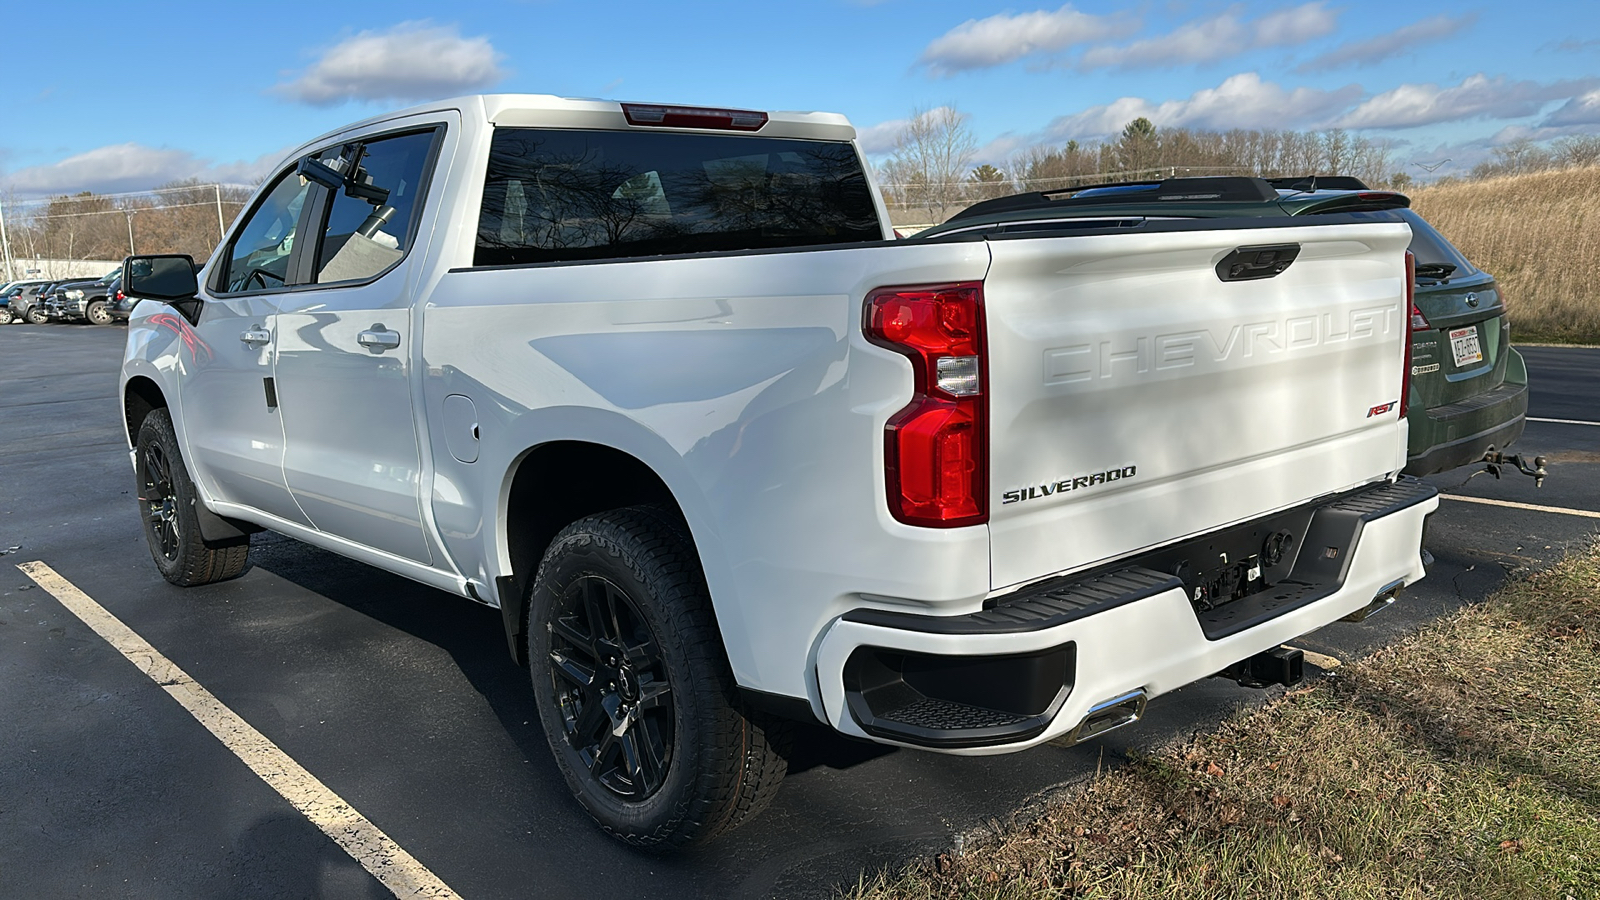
[{"x": 219, "y": 91}]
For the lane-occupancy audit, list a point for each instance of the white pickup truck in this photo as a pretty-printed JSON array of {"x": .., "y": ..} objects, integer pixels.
[{"x": 659, "y": 384}]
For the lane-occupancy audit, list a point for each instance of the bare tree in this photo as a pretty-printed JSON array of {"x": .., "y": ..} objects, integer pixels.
[{"x": 928, "y": 167}]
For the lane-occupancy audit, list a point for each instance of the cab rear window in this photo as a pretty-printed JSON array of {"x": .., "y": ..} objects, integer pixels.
[{"x": 554, "y": 196}]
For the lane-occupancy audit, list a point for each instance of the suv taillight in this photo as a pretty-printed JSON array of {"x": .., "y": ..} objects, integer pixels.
[
  {"x": 935, "y": 450},
  {"x": 1414, "y": 322}
]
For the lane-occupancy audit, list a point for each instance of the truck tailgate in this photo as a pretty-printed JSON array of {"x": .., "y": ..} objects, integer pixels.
[{"x": 1136, "y": 398}]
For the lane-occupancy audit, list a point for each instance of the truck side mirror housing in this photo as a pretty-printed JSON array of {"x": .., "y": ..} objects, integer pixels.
[{"x": 168, "y": 277}]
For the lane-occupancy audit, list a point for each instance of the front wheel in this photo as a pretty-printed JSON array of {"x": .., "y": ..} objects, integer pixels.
[
  {"x": 5, "y": 316},
  {"x": 98, "y": 314},
  {"x": 171, "y": 524},
  {"x": 37, "y": 316},
  {"x": 634, "y": 689}
]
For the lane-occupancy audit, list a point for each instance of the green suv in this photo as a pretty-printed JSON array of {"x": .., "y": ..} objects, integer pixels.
[{"x": 1469, "y": 388}]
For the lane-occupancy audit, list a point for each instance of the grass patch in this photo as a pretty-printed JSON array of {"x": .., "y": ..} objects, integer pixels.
[
  {"x": 1539, "y": 235},
  {"x": 1464, "y": 762}
]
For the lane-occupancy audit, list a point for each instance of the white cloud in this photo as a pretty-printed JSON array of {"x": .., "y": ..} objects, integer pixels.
[
  {"x": 411, "y": 61},
  {"x": 1582, "y": 110},
  {"x": 881, "y": 138},
  {"x": 1219, "y": 37},
  {"x": 1477, "y": 96},
  {"x": 1242, "y": 101},
  {"x": 129, "y": 167},
  {"x": 1007, "y": 37},
  {"x": 1388, "y": 46}
]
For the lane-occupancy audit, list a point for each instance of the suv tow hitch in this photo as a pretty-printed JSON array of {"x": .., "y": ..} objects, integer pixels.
[{"x": 1495, "y": 460}]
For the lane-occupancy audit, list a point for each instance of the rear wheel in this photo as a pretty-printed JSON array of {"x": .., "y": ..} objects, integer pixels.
[
  {"x": 634, "y": 690},
  {"x": 37, "y": 316},
  {"x": 98, "y": 314},
  {"x": 171, "y": 524}
]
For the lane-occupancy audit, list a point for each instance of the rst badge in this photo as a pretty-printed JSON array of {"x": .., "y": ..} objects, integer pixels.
[{"x": 1380, "y": 410}]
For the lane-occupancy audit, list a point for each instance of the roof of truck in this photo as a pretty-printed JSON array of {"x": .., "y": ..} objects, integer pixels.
[{"x": 548, "y": 110}]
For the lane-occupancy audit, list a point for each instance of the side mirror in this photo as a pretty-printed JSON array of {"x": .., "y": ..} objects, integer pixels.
[{"x": 168, "y": 277}]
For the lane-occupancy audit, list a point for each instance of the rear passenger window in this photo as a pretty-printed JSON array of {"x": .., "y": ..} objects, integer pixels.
[
  {"x": 552, "y": 196},
  {"x": 370, "y": 220}
]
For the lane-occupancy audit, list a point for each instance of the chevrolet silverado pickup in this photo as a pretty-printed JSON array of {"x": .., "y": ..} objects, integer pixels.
[{"x": 658, "y": 383}]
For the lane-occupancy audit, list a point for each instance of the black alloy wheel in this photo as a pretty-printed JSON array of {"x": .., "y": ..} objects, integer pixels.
[
  {"x": 634, "y": 690},
  {"x": 167, "y": 503},
  {"x": 159, "y": 503},
  {"x": 611, "y": 687}
]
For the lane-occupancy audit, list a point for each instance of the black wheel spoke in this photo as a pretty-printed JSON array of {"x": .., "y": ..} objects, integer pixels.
[
  {"x": 579, "y": 674},
  {"x": 654, "y": 695},
  {"x": 633, "y": 759},
  {"x": 594, "y": 608},
  {"x": 564, "y": 629},
  {"x": 609, "y": 681},
  {"x": 591, "y": 722}
]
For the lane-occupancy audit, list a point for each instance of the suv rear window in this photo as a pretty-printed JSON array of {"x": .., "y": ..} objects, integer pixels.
[
  {"x": 553, "y": 196},
  {"x": 1430, "y": 247}
]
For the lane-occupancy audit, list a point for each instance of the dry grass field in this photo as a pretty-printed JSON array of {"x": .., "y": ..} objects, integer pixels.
[
  {"x": 1538, "y": 234},
  {"x": 1463, "y": 762}
]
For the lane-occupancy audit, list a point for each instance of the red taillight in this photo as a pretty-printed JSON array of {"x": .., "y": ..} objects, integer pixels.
[
  {"x": 121, "y": 296},
  {"x": 693, "y": 117},
  {"x": 936, "y": 448},
  {"x": 1414, "y": 323}
]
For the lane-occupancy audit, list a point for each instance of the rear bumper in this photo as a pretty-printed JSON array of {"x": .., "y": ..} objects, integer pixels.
[
  {"x": 1491, "y": 419},
  {"x": 1054, "y": 654}
]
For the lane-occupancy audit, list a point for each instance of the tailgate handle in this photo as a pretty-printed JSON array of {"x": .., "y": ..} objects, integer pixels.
[{"x": 1254, "y": 263}]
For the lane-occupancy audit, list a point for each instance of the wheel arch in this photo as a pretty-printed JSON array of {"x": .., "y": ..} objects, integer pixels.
[
  {"x": 141, "y": 396},
  {"x": 551, "y": 484}
]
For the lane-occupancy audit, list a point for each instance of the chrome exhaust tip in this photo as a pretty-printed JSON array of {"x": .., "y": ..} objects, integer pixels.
[
  {"x": 1381, "y": 602},
  {"x": 1108, "y": 715}
]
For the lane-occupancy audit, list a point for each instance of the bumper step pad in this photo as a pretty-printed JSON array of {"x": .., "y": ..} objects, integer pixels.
[{"x": 949, "y": 701}]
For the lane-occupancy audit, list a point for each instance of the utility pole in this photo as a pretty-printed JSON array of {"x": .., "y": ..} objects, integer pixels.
[
  {"x": 221, "y": 228},
  {"x": 129, "y": 214},
  {"x": 6, "y": 242}
]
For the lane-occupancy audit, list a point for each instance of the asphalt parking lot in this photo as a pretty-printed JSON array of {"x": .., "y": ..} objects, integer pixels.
[{"x": 402, "y": 700}]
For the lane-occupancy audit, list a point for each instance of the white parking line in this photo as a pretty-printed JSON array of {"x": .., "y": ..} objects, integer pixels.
[
  {"x": 398, "y": 870},
  {"x": 1562, "y": 510},
  {"x": 1563, "y": 421}
]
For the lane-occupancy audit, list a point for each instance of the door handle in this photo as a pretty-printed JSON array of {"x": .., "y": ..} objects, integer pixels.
[
  {"x": 256, "y": 335},
  {"x": 378, "y": 339}
]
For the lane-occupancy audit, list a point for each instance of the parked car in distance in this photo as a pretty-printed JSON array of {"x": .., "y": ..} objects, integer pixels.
[
  {"x": 27, "y": 305},
  {"x": 13, "y": 306},
  {"x": 82, "y": 300},
  {"x": 1469, "y": 386},
  {"x": 118, "y": 303}
]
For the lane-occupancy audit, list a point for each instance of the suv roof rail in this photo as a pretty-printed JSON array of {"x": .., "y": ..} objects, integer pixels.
[
  {"x": 1319, "y": 183},
  {"x": 1216, "y": 188}
]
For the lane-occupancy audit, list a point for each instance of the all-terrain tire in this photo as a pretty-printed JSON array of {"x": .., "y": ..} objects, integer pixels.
[
  {"x": 715, "y": 763},
  {"x": 98, "y": 314},
  {"x": 171, "y": 523}
]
